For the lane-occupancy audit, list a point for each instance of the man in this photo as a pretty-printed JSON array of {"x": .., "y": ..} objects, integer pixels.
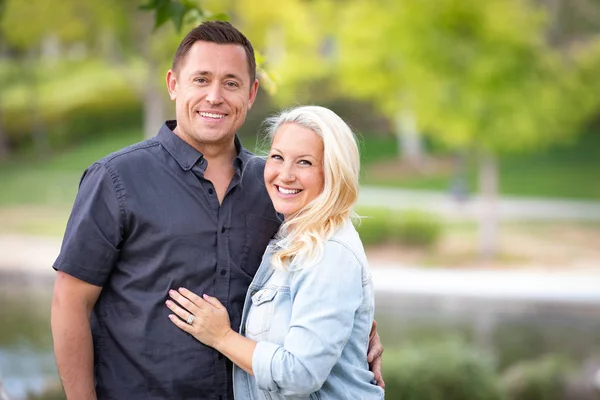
[{"x": 187, "y": 208}]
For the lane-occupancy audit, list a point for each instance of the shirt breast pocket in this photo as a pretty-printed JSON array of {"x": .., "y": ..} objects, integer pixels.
[{"x": 260, "y": 314}]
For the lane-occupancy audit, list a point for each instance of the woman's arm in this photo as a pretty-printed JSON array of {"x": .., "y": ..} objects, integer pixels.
[{"x": 211, "y": 326}]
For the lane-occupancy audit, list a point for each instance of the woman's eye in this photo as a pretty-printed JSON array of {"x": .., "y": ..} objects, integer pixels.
[
  {"x": 305, "y": 162},
  {"x": 276, "y": 157}
]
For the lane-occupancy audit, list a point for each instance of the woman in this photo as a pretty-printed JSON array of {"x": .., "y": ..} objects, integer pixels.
[{"x": 308, "y": 312}]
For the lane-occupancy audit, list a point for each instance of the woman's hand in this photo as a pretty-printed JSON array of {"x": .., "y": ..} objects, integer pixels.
[{"x": 204, "y": 317}]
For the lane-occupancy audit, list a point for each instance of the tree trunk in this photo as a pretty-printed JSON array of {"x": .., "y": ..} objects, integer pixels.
[
  {"x": 3, "y": 141},
  {"x": 409, "y": 141},
  {"x": 39, "y": 136},
  {"x": 488, "y": 215},
  {"x": 154, "y": 113}
]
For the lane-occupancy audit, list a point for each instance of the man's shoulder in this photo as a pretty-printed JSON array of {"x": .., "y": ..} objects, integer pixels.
[{"x": 130, "y": 154}]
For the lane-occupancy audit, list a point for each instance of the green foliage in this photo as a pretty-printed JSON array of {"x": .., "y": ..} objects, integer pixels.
[
  {"x": 81, "y": 100},
  {"x": 179, "y": 10},
  {"x": 541, "y": 379},
  {"x": 413, "y": 228},
  {"x": 448, "y": 370},
  {"x": 475, "y": 74},
  {"x": 373, "y": 227},
  {"x": 416, "y": 228}
]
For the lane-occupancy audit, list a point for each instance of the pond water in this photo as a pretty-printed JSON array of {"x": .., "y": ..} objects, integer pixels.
[
  {"x": 26, "y": 358},
  {"x": 513, "y": 331}
]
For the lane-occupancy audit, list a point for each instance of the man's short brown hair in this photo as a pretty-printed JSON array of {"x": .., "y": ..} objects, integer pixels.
[{"x": 216, "y": 32}]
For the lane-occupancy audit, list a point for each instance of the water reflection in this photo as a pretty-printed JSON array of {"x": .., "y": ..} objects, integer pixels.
[
  {"x": 512, "y": 330},
  {"x": 26, "y": 359}
]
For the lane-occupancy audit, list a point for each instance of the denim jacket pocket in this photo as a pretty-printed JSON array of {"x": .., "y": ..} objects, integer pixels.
[{"x": 260, "y": 313}]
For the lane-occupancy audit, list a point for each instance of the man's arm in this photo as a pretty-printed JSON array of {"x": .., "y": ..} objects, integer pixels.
[
  {"x": 375, "y": 354},
  {"x": 72, "y": 305}
]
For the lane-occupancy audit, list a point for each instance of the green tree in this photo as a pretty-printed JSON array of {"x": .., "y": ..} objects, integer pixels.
[
  {"x": 477, "y": 75},
  {"x": 34, "y": 35}
]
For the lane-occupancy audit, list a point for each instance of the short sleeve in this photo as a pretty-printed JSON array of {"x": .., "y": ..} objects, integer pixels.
[{"x": 94, "y": 231}]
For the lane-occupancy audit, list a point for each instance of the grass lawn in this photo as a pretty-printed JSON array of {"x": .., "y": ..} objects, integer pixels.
[
  {"x": 54, "y": 182},
  {"x": 571, "y": 171}
]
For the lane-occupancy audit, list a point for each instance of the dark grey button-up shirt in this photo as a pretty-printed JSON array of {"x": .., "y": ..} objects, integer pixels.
[{"x": 145, "y": 221}]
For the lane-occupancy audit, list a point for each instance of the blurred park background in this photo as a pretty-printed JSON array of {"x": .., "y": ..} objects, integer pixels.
[{"x": 479, "y": 124}]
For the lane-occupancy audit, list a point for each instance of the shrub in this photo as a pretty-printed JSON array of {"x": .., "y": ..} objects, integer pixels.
[
  {"x": 373, "y": 226},
  {"x": 413, "y": 228},
  {"x": 541, "y": 379},
  {"x": 417, "y": 228},
  {"x": 443, "y": 370}
]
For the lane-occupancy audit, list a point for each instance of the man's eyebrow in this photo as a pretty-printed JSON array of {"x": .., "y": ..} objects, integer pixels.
[{"x": 201, "y": 72}]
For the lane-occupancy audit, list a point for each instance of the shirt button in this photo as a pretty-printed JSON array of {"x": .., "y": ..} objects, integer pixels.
[
  {"x": 210, "y": 191},
  {"x": 223, "y": 272},
  {"x": 243, "y": 329},
  {"x": 219, "y": 397},
  {"x": 222, "y": 229}
]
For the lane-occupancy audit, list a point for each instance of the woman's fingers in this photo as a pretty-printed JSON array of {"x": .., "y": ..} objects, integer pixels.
[
  {"x": 184, "y": 301},
  {"x": 184, "y": 326},
  {"x": 179, "y": 311},
  {"x": 193, "y": 297},
  {"x": 213, "y": 301}
]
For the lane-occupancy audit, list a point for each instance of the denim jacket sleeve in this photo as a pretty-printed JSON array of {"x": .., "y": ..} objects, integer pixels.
[{"x": 325, "y": 299}]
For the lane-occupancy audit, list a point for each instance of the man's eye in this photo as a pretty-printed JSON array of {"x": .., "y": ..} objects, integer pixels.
[
  {"x": 200, "y": 80},
  {"x": 232, "y": 84}
]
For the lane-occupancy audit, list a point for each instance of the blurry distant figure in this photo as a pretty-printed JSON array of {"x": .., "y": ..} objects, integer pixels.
[{"x": 459, "y": 187}]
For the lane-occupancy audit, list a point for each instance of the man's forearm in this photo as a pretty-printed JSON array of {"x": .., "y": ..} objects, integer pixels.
[{"x": 73, "y": 350}]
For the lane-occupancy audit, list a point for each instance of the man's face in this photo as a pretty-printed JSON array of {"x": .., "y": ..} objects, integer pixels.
[{"x": 212, "y": 92}]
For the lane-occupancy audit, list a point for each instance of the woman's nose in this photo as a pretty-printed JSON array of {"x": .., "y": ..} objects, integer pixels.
[{"x": 287, "y": 174}]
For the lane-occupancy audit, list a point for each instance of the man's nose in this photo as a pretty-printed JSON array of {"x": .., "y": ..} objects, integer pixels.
[{"x": 214, "y": 95}]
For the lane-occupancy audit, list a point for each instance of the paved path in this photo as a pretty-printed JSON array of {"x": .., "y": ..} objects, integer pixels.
[
  {"x": 32, "y": 257},
  {"x": 517, "y": 285},
  {"x": 509, "y": 208},
  {"x": 28, "y": 255}
]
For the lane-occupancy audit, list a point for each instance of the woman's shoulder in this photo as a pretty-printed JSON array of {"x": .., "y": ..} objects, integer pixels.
[
  {"x": 347, "y": 236},
  {"x": 346, "y": 240}
]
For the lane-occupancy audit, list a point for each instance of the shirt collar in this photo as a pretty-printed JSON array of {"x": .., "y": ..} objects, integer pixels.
[{"x": 187, "y": 156}]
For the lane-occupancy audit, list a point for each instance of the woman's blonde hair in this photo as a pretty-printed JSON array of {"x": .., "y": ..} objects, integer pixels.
[{"x": 302, "y": 236}]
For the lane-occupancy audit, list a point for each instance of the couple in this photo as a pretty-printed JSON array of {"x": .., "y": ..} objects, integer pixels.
[{"x": 163, "y": 249}]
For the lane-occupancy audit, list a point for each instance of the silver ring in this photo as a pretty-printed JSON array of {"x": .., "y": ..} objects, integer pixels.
[{"x": 190, "y": 319}]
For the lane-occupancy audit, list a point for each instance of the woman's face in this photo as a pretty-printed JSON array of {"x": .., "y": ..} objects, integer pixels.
[{"x": 294, "y": 169}]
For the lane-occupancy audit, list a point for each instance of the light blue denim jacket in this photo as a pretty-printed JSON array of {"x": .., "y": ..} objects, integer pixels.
[{"x": 311, "y": 326}]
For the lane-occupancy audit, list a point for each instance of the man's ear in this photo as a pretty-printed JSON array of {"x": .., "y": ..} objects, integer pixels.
[
  {"x": 253, "y": 93},
  {"x": 172, "y": 84}
]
